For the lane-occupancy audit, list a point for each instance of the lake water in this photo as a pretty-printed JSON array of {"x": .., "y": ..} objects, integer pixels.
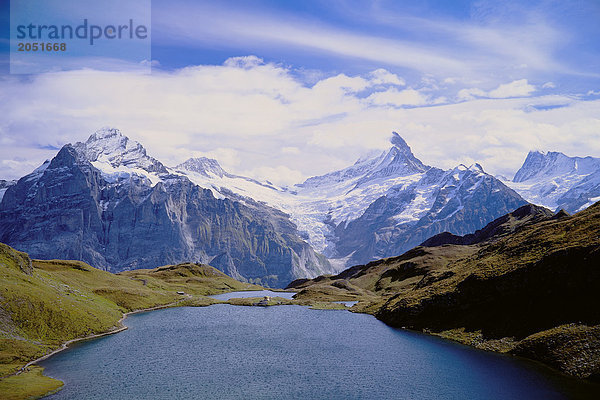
[
  {"x": 256, "y": 293},
  {"x": 291, "y": 352}
]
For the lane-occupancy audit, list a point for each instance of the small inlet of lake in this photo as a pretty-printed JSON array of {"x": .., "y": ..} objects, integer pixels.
[{"x": 291, "y": 352}]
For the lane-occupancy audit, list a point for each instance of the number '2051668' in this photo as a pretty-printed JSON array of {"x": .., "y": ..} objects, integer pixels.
[{"x": 21, "y": 46}]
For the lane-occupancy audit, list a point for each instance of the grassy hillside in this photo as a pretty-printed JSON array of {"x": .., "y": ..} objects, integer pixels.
[
  {"x": 527, "y": 284},
  {"x": 45, "y": 303}
]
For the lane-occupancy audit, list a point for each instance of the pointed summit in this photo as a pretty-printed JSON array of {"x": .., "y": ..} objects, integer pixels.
[
  {"x": 398, "y": 161},
  {"x": 398, "y": 141},
  {"x": 203, "y": 166}
]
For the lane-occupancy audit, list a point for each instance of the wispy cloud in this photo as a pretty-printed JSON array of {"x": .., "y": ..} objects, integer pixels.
[
  {"x": 473, "y": 48},
  {"x": 227, "y": 27},
  {"x": 518, "y": 88}
]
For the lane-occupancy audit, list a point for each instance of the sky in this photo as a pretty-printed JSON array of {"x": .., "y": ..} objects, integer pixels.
[{"x": 284, "y": 90}]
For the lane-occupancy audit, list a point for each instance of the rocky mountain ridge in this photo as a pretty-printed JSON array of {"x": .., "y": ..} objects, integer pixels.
[
  {"x": 115, "y": 197},
  {"x": 379, "y": 206},
  {"x": 107, "y": 203},
  {"x": 557, "y": 181}
]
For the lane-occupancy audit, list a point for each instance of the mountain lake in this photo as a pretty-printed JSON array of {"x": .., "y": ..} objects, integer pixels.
[{"x": 291, "y": 352}]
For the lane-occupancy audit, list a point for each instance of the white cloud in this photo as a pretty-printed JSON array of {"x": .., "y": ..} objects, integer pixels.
[
  {"x": 256, "y": 118},
  {"x": 519, "y": 88},
  {"x": 244, "y": 62},
  {"x": 290, "y": 150},
  {"x": 279, "y": 175},
  {"x": 382, "y": 76},
  {"x": 392, "y": 96},
  {"x": 549, "y": 85},
  {"x": 469, "y": 94}
]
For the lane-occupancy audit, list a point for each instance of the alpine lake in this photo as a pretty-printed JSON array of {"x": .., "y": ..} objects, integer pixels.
[{"x": 291, "y": 352}]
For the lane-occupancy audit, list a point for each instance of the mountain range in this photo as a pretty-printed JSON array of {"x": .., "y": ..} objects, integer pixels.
[
  {"x": 107, "y": 202},
  {"x": 556, "y": 181}
]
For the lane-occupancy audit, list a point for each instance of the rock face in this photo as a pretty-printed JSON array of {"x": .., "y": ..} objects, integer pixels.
[
  {"x": 557, "y": 181},
  {"x": 382, "y": 206},
  {"x": 377, "y": 207},
  {"x": 4, "y": 185},
  {"x": 459, "y": 201},
  {"x": 107, "y": 203},
  {"x": 508, "y": 223}
]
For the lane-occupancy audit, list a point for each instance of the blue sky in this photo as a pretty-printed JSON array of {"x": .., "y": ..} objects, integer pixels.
[
  {"x": 490, "y": 40},
  {"x": 317, "y": 84}
]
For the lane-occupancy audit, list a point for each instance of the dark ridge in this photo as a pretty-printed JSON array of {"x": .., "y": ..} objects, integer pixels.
[
  {"x": 524, "y": 215},
  {"x": 561, "y": 214}
]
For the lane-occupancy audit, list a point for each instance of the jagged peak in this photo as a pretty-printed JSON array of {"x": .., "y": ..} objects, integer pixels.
[
  {"x": 554, "y": 163},
  {"x": 202, "y": 165},
  {"x": 399, "y": 159},
  {"x": 104, "y": 133},
  {"x": 109, "y": 145},
  {"x": 398, "y": 141}
]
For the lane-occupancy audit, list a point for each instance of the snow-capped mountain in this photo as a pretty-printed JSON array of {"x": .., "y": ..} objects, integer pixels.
[
  {"x": 557, "y": 181},
  {"x": 204, "y": 166},
  {"x": 377, "y": 207},
  {"x": 462, "y": 199},
  {"x": 106, "y": 202},
  {"x": 117, "y": 157}
]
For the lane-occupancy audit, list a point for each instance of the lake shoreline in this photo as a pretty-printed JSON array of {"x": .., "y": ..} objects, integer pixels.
[
  {"x": 412, "y": 337},
  {"x": 188, "y": 301},
  {"x": 119, "y": 327}
]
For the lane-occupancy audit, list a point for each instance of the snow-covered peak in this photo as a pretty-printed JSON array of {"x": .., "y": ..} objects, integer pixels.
[
  {"x": 108, "y": 148},
  {"x": 111, "y": 145},
  {"x": 474, "y": 168},
  {"x": 105, "y": 133},
  {"x": 400, "y": 143},
  {"x": 397, "y": 161},
  {"x": 202, "y": 165},
  {"x": 557, "y": 181},
  {"x": 117, "y": 157},
  {"x": 540, "y": 165}
]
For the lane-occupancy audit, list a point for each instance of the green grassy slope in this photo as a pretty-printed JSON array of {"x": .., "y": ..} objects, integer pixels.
[
  {"x": 46, "y": 303},
  {"x": 531, "y": 288}
]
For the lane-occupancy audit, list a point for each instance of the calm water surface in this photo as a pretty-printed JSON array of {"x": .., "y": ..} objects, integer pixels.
[
  {"x": 256, "y": 293},
  {"x": 290, "y": 352}
]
